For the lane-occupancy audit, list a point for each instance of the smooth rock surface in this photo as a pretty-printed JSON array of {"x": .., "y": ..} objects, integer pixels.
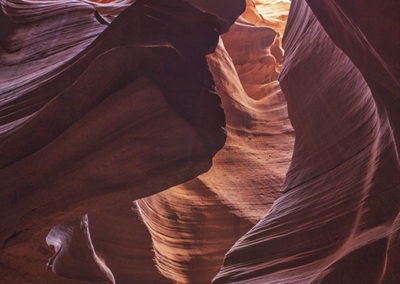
[
  {"x": 192, "y": 225},
  {"x": 337, "y": 219},
  {"x": 104, "y": 105},
  {"x": 137, "y": 101}
]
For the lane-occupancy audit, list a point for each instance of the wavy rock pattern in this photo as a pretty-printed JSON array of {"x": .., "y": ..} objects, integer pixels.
[
  {"x": 102, "y": 104},
  {"x": 193, "y": 225},
  {"x": 337, "y": 220},
  {"x": 84, "y": 140}
]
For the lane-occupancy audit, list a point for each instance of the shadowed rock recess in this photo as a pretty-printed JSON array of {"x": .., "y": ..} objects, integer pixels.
[{"x": 199, "y": 141}]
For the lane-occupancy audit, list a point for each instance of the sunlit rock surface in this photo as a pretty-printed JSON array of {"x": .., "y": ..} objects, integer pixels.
[
  {"x": 193, "y": 225},
  {"x": 338, "y": 219},
  {"x": 104, "y": 104},
  {"x": 269, "y": 13}
]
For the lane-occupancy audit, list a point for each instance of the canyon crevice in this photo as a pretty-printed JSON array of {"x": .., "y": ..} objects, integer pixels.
[{"x": 198, "y": 141}]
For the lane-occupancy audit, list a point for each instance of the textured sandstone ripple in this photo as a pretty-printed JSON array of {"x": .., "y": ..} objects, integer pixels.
[
  {"x": 103, "y": 103},
  {"x": 337, "y": 220},
  {"x": 137, "y": 101},
  {"x": 192, "y": 225}
]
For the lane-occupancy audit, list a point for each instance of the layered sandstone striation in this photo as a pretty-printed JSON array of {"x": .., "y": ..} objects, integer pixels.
[
  {"x": 192, "y": 225},
  {"x": 123, "y": 103},
  {"x": 150, "y": 142},
  {"x": 338, "y": 219}
]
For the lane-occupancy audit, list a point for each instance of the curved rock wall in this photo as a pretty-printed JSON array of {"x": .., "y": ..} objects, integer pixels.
[
  {"x": 136, "y": 101},
  {"x": 105, "y": 104},
  {"x": 337, "y": 220},
  {"x": 193, "y": 225}
]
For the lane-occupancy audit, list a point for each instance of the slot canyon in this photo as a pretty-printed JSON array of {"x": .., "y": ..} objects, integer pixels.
[{"x": 200, "y": 141}]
